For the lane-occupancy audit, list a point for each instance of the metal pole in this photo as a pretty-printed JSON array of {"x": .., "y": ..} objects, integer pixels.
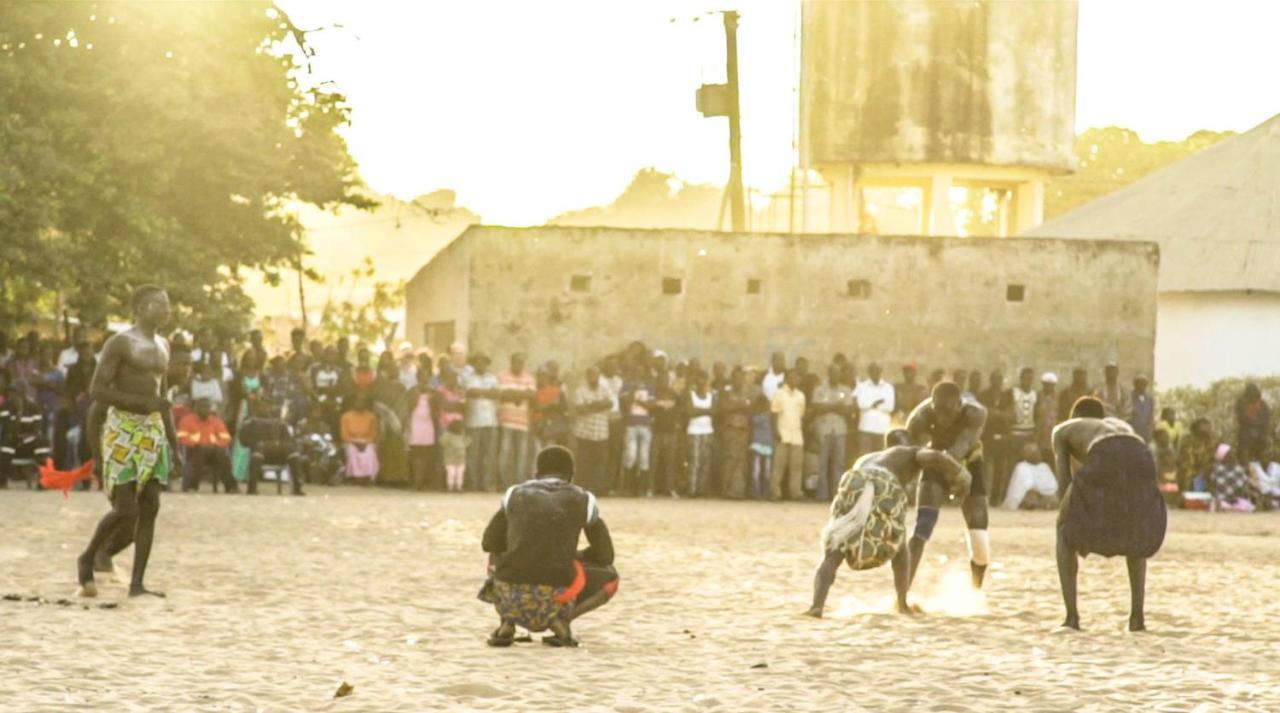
[{"x": 738, "y": 210}]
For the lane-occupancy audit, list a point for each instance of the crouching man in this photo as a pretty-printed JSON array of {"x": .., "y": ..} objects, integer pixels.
[{"x": 539, "y": 581}]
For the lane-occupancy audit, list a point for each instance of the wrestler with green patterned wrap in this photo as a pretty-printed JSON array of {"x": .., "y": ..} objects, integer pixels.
[
  {"x": 868, "y": 515},
  {"x": 139, "y": 446}
]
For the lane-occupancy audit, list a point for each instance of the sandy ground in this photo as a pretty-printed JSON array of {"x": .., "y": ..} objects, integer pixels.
[{"x": 274, "y": 601}]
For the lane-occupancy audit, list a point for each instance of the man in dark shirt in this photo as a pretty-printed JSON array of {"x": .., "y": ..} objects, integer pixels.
[
  {"x": 540, "y": 581},
  {"x": 271, "y": 442}
]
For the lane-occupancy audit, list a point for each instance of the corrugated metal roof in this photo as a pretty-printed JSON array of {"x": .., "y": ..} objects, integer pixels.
[{"x": 1216, "y": 215}]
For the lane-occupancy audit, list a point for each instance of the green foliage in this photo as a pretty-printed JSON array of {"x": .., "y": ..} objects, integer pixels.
[
  {"x": 367, "y": 320},
  {"x": 1110, "y": 158},
  {"x": 158, "y": 142},
  {"x": 1218, "y": 402}
]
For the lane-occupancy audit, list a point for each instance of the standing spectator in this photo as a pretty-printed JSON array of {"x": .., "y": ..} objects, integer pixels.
[
  {"x": 453, "y": 398},
  {"x": 518, "y": 390},
  {"x": 875, "y": 399},
  {"x": 831, "y": 408},
  {"x": 407, "y": 371},
  {"x": 613, "y": 378},
  {"x": 635, "y": 399},
  {"x": 961, "y": 378},
  {"x": 1079, "y": 387},
  {"x": 326, "y": 385},
  {"x": 359, "y": 433},
  {"x": 247, "y": 391},
  {"x": 1253, "y": 424},
  {"x": 205, "y": 438},
  {"x": 1142, "y": 409},
  {"x": 482, "y": 393},
  {"x": 79, "y": 376},
  {"x": 550, "y": 410},
  {"x": 363, "y": 374},
  {"x": 24, "y": 369},
  {"x": 1170, "y": 424},
  {"x": 788, "y": 407},
  {"x": 300, "y": 359},
  {"x": 762, "y": 439},
  {"x": 591, "y": 404},
  {"x": 1115, "y": 398},
  {"x": 285, "y": 392},
  {"x": 1022, "y": 428},
  {"x": 997, "y": 456},
  {"x": 50, "y": 384},
  {"x": 206, "y": 385},
  {"x": 387, "y": 389},
  {"x": 419, "y": 411},
  {"x": 1195, "y": 456},
  {"x": 734, "y": 431},
  {"x": 21, "y": 433},
  {"x": 255, "y": 349},
  {"x": 1046, "y": 414},
  {"x": 665, "y": 460},
  {"x": 908, "y": 393},
  {"x": 454, "y": 447},
  {"x": 775, "y": 376},
  {"x": 206, "y": 352},
  {"x": 458, "y": 360},
  {"x": 701, "y": 430},
  {"x": 69, "y": 356}
]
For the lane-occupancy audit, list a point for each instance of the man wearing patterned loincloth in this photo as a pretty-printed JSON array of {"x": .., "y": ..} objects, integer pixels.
[
  {"x": 1111, "y": 503},
  {"x": 139, "y": 443},
  {"x": 868, "y": 515},
  {"x": 951, "y": 422},
  {"x": 539, "y": 581}
]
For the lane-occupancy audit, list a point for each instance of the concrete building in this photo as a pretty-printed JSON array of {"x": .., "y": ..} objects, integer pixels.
[
  {"x": 576, "y": 294},
  {"x": 1216, "y": 216},
  {"x": 935, "y": 94}
]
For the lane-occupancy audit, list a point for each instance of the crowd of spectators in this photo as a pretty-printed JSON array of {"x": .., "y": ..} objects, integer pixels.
[{"x": 639, "y": 422}]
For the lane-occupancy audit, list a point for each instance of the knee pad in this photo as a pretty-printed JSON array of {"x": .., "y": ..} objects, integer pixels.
[
  {"x": 979, "y": 542},
  {"x": 926, "y": 519},
  {"x": 974, "y": 509}
]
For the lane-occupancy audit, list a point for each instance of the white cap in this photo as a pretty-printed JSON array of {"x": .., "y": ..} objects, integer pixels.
[{"x": 1049, "y": 378}]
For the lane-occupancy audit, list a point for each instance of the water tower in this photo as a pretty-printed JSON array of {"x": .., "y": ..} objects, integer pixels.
[{"x": 935, "y": 94}]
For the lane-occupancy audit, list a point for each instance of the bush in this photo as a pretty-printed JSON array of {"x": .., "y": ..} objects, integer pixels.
[{"x": 1217, "y": 402}]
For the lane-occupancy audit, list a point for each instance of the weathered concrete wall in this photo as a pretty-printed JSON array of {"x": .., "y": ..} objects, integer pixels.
[
  {"x": 941, "y": 302},
  {"x": 986, "y": 82},
  {"x": 440, "y": 292}
]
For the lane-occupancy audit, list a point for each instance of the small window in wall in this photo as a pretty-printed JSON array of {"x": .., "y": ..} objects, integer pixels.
[
  {"x": 860, "y": 289},
  {"x": 1015, "y": 293},
  {"x": 753, "y": 286},
  {"x": 672, "y": 285},
  {"x": 580, "y": 283}
]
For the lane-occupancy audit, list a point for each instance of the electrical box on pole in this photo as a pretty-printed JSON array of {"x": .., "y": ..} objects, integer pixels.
[{"x": 722, "y": 100}]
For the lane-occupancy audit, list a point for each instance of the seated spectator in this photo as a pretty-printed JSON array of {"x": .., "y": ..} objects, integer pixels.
[
  {"x": 314, "y": 440},
  {"x": 1266, "y": 482},
  {"x": 1032, "y": 486},
  {"x": 1195, "y": 457},
  {"x": 1166, "y": 459},
  {"x": 359, "y": 435},
  {"x": 23, "y": 432},
  {"x": 270, "y": 442},
  {"x": 1170, "y": 424},
  {"x": 206, "y": 439},
  {"x": 1229, "y": 483},
  {"x": 540, "y": 580},
  {"x": 284, "y": 390}
]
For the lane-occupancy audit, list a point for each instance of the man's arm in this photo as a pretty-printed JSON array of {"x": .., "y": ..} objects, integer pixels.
[
  {"x": 1062, "y": 455},
  {"x": 104, "y": 378},
  {"x": 918, "y": 423},
  {"x": 953, "y": 471},
  {"x": 599, "y": 549},
  {"x": 975, "y": 418},
  {"x": 889, "y": 398},
  {"x": 495, "y": 535}
]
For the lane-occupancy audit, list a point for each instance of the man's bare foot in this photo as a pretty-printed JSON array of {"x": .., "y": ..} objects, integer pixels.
[
  {"x": 84, "y": 575},
  {"x": 502, "y": 636},
  {"x": 1072, "y": 623},
  {"x": 908, "y": 609},
  {"x": 1137, "y": 624},
  {"x": 87, "y": 590},
  {"x": 815, "y": 612},
  {"x": 139, "y": 591}
]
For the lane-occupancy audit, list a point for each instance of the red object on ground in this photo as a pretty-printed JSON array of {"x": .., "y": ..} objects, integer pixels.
[{"x": 64, "y": 479}]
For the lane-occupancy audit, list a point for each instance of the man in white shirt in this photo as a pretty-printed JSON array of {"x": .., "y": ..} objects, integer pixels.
[
  {"x": 875, "y": 398},
  {"x": 69, "y": 356},
  {"x": 774, "y": 377}
]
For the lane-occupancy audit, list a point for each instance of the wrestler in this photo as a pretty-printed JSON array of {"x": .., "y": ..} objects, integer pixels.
[
  {"x": 1111, "y": 505},
  {"x": 948, "y": 422},
  {"x": 538, "y": 581},
  {"x": 868, "y": 514},
  {"x": 139, "y": 443}
]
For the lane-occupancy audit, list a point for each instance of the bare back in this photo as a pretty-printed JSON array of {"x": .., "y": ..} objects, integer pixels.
[{"x": 1072, "y": 439}]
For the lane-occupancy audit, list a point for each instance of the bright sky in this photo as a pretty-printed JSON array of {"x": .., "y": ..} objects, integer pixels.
[{"x": 528, "y": 109}]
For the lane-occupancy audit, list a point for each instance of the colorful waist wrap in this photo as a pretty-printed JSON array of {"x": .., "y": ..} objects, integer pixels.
[
  {"x": 868, "y": 517},
  {"x": 135, "y": 449}
]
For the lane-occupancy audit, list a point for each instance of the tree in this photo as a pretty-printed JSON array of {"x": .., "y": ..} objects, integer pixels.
[
  {"x": 653, "y": 199},
  {"x": 158, "y": 142},
  {"x": 367, "y": 320}
]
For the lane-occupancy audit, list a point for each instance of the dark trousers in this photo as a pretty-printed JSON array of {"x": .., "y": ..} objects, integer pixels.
[
  {"x": 276, "y": 454},
  {"x": 210, "y": 461},
  {"x": 424, "y": 467},
  {"x": 592, "y": 467}
]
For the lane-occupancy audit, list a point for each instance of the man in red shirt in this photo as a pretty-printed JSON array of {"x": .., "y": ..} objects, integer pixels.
[{"x": 206, "y": 438}]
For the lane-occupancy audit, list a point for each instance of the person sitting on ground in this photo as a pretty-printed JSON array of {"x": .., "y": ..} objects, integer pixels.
[
  {"x": 1195, "y": 457},
  {"x": 1166, "y": 458},
  {"x": 270, "y": 442},
  {"x": 320, "y": 462},
  {"x": 1032, "y": 486},
  {"x": 1266, "y": 481},
  {"x": 206, "y": 438},
  {"x": 1111, "y": 503},
  {"x": 868, "y": 515},
  {"x": 538, "y": 581},
  {"x": 1229, "y": 483}
]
